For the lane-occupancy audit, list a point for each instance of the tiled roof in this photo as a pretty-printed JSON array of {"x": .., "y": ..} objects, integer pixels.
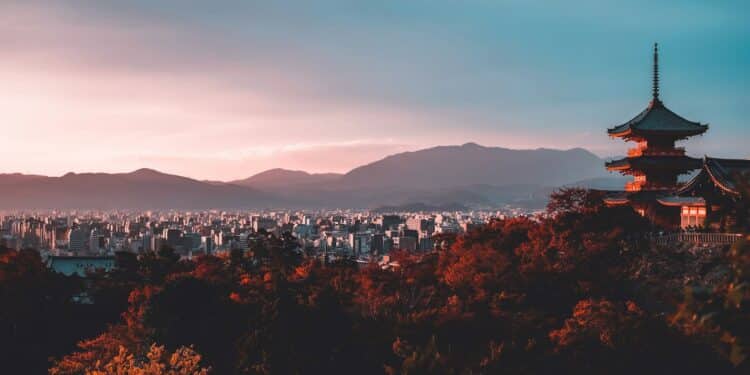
[
  {"x": 729, "y": 175},
  {"x": 658, "y": 118},
  {"x": 623, "y": 197},
  {"x": 681, "y": 201}
]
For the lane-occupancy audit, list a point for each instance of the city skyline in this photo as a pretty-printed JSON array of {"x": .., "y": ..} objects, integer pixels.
[{"x": 227, "y": 92}]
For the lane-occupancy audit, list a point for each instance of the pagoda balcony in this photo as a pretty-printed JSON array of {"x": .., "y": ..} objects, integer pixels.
[{"x": 636, "y": 152}]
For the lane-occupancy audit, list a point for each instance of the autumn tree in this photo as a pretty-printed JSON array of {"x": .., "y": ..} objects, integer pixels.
[{"x": 158, "y": 361}]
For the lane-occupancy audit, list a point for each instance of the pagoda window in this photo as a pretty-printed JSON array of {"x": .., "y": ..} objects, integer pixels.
[{"x": 692, "y": 216}]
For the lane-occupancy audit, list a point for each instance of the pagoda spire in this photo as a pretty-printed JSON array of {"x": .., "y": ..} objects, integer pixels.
[{"x": 655, "y": 91}]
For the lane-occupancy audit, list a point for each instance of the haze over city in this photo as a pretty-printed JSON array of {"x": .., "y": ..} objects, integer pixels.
[{"x": 226, "y": 90}]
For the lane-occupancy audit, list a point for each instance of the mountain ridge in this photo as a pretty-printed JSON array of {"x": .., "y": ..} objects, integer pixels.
[{"x": 468, "y": 174}]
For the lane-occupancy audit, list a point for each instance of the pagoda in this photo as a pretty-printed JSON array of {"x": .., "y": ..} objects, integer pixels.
[{"x": 655, "y": 162}]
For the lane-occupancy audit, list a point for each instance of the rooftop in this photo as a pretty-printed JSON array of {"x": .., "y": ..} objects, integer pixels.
[
  {"x": 657, "y": 119},
  {"x": 729, "y": 175}
]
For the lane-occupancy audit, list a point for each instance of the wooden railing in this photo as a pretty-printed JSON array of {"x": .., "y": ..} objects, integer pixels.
[{"x": 698, "y": 238}]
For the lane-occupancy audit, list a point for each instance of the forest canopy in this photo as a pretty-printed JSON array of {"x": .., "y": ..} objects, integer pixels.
[{"x": 570, "y": 291}]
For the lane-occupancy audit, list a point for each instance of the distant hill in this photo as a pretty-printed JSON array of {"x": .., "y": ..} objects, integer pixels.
[
  {"x": 470, "y": 175},
  {"x": 276, "y": 178},
  {"x": 613, "y": 182},
  {"x": 472, "y": 164},
  {"x": 15, "y": 178},
  {"x": 141, "y": 189}
]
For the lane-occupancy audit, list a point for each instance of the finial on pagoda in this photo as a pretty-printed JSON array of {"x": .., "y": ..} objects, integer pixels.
[{"x": 656, "y": 72}]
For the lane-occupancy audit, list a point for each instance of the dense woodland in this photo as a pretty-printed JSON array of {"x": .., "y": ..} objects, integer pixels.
[{"x": 575, "y": 291}]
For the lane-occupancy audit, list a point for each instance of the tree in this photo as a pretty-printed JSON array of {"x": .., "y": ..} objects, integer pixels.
[
  {"x": 38, "y": 317},
  {"x": 722, "y": 315},
  {"x": 578, "y": 200},
  {"x": 183, "y": 361}
]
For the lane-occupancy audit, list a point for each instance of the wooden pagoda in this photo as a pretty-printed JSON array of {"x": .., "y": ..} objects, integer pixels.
[{"x": 655, "y": 162}]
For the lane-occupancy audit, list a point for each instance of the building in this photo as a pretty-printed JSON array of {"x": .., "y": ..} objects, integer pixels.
[
  {"x": 77, "y": 240},
  {"x": 174, "y": 237},
  {"x": 408, "y": 243},
  {"x": 718, "y": 196},
  {"x": 96, "y": 241},
  {"x": 360, "y": 243},
  {"x": 655, "y": 162},
  {"x": 391, "y": 221},
  {"x": 265, "y": 223}
]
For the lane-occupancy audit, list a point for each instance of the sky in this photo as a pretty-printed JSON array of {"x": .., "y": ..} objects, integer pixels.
[{"x": 224, "y": 89}]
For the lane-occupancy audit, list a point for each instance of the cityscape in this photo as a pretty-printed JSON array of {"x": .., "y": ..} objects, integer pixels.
[{"x": 91, "y": 239}]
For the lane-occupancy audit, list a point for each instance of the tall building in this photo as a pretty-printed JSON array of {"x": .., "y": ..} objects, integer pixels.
[
  {"x": 96, "y": 241},
  {"x": 174, "y": 237},
  {"x": 655, "y": 162},
  {"x": 360, "y": 243},
  {"x": 408, "y": 243},
  {"x": 263, "y": 223},
  {"x": 77, "y": 240},
  {"x": 391, "y": 221}
]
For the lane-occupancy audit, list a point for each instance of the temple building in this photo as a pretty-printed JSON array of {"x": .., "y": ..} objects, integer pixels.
[
  {"x": 718, "y": 196},
  {"x": 655, "y": 162}
]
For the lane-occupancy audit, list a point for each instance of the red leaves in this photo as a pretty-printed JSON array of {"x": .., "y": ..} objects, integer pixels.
[{"x": 596, "y": 320}]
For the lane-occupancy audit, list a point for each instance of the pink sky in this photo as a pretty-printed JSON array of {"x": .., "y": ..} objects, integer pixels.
[{"x": 85, "y": 91}]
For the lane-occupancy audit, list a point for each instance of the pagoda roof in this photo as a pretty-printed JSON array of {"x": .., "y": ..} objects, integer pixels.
[
  {"x": 657, "y": 119},
  {"x": 682, "y": 201},
  {"x": 616, "y": 198},
  {"x": 654, "y": 162},
  {"x": 728, "y": 175}
]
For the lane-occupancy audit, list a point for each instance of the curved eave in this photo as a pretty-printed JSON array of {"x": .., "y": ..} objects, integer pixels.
[
  {"x": 618, "y": 132},
  {"x": 616, "y": 201},
  {"x": 690, "y": 185},
  {"x": 630, "y": 132},
  {"x": 619, "y": 165},
  {"x": 681, "y": 201},
  {"x": 715, "y": 172},
  {"x": 658, "y": 120},
  {"x": 721, "y": 183}
]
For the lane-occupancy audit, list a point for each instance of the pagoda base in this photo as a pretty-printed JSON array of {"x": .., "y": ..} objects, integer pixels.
[{"x": 646, "y": 203}]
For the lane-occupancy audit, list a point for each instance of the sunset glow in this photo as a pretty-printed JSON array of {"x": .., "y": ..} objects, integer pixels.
[{"x": 252, "y": 87}]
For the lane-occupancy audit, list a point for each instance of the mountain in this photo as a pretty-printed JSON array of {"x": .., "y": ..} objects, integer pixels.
[
  {"x": 614, "y": 182},
  {"x": 141, "y": 189},
  {"x": 470, "y": 175},
  {"x": 472, "y": 164},
  {"x": 278, "y": 178}
]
